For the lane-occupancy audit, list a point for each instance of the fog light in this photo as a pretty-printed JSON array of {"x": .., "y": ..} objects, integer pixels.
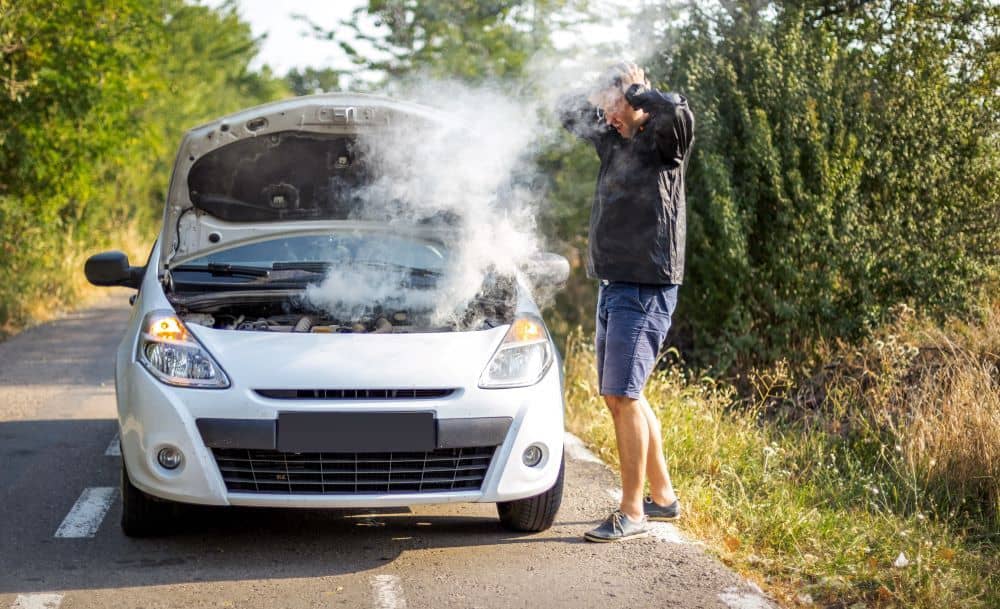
[
  {"x": 532, "y": 455},
  {"x": 170, "y": 457}
]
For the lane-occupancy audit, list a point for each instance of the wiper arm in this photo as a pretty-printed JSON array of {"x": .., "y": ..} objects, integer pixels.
[
  {"x": 302, "y": 265},
  {"x": 378, "y": 264},
  {"x": 231, "y": 270},
  {"x": 322, "y": 267}
]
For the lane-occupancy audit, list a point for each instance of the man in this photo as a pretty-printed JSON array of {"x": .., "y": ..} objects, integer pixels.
[{"x": 637, "y": 229}]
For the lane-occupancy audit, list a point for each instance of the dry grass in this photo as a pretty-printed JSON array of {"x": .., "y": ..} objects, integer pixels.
[
  {"x": 815, "y": 487},
  {"x": 58, "y": 283},
  {"x": 933, "y": 395}
]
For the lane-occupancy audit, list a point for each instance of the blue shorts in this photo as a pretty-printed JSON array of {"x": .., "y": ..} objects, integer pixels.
[{"x": 632, "y": 323}]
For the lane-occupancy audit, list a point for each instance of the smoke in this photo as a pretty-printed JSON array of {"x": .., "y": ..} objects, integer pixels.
[
  {"x": 475, "y": 172},
  {"x": 472, "y": 174}
]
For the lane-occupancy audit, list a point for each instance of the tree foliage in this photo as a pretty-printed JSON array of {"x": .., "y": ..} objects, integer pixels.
[
  {"x": 846, "y": 153},
  {"x": 469, "y": 40},
  {"x": 308, "y": 81},
  {"x": 94, "y": 96},
  {"x": 846, "y": 160}
]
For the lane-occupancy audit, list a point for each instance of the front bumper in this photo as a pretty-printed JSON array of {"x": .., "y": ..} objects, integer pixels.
[{"x": 204, "y": 423}]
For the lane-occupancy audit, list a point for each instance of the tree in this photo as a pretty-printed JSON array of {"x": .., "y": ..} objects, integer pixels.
[
  {"x": 312, "y": 80},
  {"x": 845, "y": 161},
  {"x": 469, "y": 40},
  {"x": 95, "y": 96}
]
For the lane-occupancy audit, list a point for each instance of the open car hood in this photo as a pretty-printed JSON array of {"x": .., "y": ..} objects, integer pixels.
[{"x": 277, "y": 167}]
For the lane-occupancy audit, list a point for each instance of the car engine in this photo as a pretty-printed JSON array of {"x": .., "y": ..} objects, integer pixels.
[{"x": 494, "y": 305}]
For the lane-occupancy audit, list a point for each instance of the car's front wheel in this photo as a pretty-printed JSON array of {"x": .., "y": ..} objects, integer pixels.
[
  {"x": 142, "y": 514},
  {"x": 533, "y": 514}
]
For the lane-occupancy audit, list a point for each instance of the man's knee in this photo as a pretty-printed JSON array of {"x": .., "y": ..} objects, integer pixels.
[{"x": 619, "y": 404}]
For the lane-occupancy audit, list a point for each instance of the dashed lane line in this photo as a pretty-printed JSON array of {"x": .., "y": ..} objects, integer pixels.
[
  {"x": 114, "y": 449},
  {"x": 37, "y": 601},
  {"x": 388, "y": 592},
  {"x": 87, "y": 513}
]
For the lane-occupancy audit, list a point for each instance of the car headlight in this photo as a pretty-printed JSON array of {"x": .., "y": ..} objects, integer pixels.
[
  {"x": 522, "y": 358},
  {"x": 172, "y": 354}
]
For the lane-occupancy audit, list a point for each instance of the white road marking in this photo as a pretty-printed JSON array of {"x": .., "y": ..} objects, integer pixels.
[
  {"x": 388, "y": 592},
  {"x": 578, "y": 450},
  {"x": 37, "y": 601},
  {"x": 87, "y": 513},
  {"x": 615, "y": 493},
  {"x": 734, "y": 598},
  {"x": 114, "y": 449}
]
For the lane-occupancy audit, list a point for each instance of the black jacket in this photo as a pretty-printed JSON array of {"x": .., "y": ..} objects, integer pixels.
[{"x": 637, "y": 222}]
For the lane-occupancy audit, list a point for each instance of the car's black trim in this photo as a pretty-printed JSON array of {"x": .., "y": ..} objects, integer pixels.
[
  {"x": 238, "y": 433},
  {"x": 444, "y": 470},
  {"x": 354, "y": 432},
  {"x": 482, "y": 431},
  {"x": 353, "y": 394},
  {"x": 262, "y": 433}
]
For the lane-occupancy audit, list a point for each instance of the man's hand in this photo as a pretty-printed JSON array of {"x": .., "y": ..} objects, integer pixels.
[
  {"x": 615, "y": 82},
  {"x": 631, "y": 74}
]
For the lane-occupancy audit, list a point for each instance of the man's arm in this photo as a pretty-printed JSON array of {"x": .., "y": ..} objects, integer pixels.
[
  {"x": 672, "y": 121},
  {"x": 579, "y": 116}
]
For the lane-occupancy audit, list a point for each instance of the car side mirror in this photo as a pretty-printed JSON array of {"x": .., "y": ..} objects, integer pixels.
[
  {"x": 546, "y": 269},
  {"x": 112, "y": 268}
]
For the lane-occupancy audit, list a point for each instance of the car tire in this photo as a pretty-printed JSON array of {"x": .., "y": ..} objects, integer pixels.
[
  {"x": 533, "y": 514},
  {"x": 144, "y": 515}
]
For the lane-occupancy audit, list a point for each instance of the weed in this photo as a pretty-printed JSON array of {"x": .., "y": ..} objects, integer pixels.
[{"x": 871, "y": 483}]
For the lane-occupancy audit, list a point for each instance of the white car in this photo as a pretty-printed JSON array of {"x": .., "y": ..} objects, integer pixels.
[{"x": 234, "y": 387}]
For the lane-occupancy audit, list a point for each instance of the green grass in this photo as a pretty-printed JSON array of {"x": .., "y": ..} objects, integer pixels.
[{"x": 814, "y": 500}]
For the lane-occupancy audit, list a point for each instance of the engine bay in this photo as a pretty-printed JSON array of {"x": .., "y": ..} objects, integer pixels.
[{"x": 289, "y": 311}]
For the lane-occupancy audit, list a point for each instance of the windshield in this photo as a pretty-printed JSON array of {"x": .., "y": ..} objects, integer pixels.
[
  {"x": 354, "y": 248},
  {"x": 340, "y": 281}
]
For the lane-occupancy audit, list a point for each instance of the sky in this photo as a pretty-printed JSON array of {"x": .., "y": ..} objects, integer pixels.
[{"x": 288, "y": 44}]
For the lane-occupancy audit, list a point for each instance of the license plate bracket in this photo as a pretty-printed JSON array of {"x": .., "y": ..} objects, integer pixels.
[{"x": 353, "y": 432}]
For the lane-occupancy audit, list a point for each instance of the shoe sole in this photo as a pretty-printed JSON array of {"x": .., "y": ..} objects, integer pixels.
[
  {"x": 588, "y": 537},
  {"x": 663, "y": 518}
]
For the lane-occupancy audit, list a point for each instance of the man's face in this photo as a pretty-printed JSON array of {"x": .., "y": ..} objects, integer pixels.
[{"x": 620, "y": 114}]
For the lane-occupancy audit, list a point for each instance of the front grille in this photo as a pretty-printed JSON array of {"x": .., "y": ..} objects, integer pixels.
[
  {"x": 354, "y": 394},
  {"x": 270, "y": 471}
]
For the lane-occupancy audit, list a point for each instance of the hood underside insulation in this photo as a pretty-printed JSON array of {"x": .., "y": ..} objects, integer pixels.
[{"x": 281, "y": 176}]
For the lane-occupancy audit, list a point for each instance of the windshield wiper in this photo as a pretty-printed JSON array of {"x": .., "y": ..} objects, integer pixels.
[
  {"x": 378, "y": 264},
  {"x": 302, "y": 265},
  {"x": 322, "y": 267},
  {"x": 230, "y": 270}
]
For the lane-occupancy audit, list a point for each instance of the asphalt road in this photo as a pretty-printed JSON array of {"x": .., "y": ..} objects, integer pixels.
[{"x": 57, "y": 421}]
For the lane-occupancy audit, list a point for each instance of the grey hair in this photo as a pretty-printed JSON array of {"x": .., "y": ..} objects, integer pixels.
[{"x": 612, "y": 76}]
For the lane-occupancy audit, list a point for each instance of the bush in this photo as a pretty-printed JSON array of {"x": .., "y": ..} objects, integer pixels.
[
  {"x": 845, "y": 160},
  {"x": 815, "y": 487}
]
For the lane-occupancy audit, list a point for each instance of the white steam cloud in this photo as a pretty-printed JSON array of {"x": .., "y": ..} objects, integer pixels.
[{"x": 475, "y": 169}]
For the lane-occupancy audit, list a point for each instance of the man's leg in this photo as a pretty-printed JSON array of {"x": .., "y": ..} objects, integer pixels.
[
  {"x": 635, "y": 322},
  {"x": 660, "y": 487},
  {"x": 633, "y": 437}
]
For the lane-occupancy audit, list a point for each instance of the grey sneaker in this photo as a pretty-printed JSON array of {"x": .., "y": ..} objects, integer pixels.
[
  {"x": 617, "y": 527},
  {"x": 655, "y": 511}
]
